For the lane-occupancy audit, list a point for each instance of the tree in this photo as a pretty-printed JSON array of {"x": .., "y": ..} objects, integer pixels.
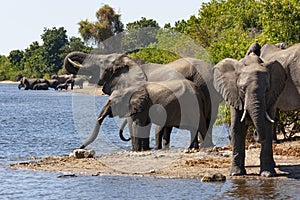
[
  {"x": 54, "y": 42},
  {"x": 139, "y": 34},
  {"x": 15, "y": 57},
  {"x": 280, "y": 21},
  {"x": 107, "y": 25}
]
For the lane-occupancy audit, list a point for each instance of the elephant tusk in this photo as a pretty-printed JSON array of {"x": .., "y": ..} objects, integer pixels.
[
  {"x": 244, "y": 115},
  {"x": 74, "y": 63},
  {"x": 269, "y": 118}
]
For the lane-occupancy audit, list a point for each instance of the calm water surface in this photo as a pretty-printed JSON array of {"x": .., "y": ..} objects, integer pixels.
[{"x": 40, "y": 123}]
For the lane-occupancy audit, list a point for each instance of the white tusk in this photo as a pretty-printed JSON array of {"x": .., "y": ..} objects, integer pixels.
[
  {"x": 244, "y": 115},
  {"x": 269, "y": 118},
  {"x": 74, "y": 63}
]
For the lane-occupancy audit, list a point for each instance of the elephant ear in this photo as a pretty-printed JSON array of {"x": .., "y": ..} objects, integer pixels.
[
  {"x": 277, "y": 81},
  {"x": 225, "y": 81},
  {"x": 129, "y": 68},
  {"x": 139, "y": 101}
]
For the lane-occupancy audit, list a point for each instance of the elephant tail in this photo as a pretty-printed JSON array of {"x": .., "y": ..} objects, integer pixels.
[{"x": 121, "y": 131}]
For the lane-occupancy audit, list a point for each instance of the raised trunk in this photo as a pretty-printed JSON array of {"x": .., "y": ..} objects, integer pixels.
[
  {"x": 104, "y": 112},
  {"x": 76, "y": 57}
]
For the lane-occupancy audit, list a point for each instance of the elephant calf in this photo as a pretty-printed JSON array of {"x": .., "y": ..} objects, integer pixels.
[
  {"x": 175, "y": 103},
  {"x": 40, "y": 86}
]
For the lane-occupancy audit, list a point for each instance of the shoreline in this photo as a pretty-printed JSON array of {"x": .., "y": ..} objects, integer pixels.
[
  {"x": 172, "y": 163},
  {"x": 9, "y": 82}
]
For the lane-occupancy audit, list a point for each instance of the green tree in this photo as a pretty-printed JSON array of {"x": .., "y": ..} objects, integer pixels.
[
  {"x": 15, "y": 57},
  {"x": 139, "y": 34},
  {"x": 280, "y": 21},
  {"x": 107, "y": 25},
  {"x": 54, "y": 42},
  {"x": 33, "y": 61}
]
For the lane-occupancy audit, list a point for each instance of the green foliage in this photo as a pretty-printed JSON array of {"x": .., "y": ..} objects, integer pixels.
[
  {"x": 280, "y": 21},
  {"x": 140, "y": 34},
  {"x": 154, "y": 55},
  {"x": 107, "y": 25},
  {"x": 54, "y": 42}
]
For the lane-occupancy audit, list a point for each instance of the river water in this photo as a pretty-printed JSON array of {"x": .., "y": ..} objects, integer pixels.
[{"x": 34, "y": 124}]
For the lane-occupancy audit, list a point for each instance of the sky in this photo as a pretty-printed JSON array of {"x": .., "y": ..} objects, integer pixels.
[{"x": 23, "y": 21}]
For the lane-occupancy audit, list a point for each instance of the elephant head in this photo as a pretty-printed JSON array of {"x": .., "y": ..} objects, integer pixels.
[
  {"x": 121, "y": 73},
  {"x": 116, "y": 105},
  {"x": 91, "y": 65},
  {"x": 251, "y": 87}
]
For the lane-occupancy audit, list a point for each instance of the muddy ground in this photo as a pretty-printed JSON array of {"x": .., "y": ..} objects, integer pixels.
[{"x": 172, "y": 163}]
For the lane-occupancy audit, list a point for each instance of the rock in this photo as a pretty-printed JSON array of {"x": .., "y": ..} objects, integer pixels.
[
  {"x": 218, "y": 177},
  {"x": 82, "y": 153}
]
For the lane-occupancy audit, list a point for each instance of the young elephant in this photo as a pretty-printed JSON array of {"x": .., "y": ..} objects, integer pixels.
[
  {"x": 40, "y": 86},
  {"x": 174, "y": 103},
  {"x": 62, "y": 86}
]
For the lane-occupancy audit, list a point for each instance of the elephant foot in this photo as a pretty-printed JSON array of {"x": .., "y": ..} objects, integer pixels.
[
  {"x": 140, "y": 144},
  {"x": 268, "y": 173},
  {"x": 237, "y": 171}
]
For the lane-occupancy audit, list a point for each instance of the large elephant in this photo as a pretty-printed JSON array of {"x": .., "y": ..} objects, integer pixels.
[
  {"x": 28, "y": 83},
  {"x": 173, "y": 103},
  {"x": 251, "y": 88},
  {"x": 115, "y": 71},
  {"x": 289, "y": 57}
]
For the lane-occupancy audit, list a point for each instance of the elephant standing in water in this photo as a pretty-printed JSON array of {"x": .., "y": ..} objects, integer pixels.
[
  {"x": 28, "y": 83},
  {"x": 251, "y": 88},
  {"x": 174, "y": 103},
  {"x": 115, "y": 71}
]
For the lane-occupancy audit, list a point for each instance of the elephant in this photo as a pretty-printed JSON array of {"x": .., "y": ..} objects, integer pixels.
[
  {"x": 75, "y": 81},
  {"x": 53, "y": 83},
  {"x": 115, "y": 71},
  {"x": 172, "y": 103},
  {"x": 62, "y": 86},
  {"x": 62, "y": 78},
  {"x": 28, "y": 83},
  {"x": 251, "y": 87},
  {"x": 289, "y": 57},
  {"x": 40, "y": 86}
]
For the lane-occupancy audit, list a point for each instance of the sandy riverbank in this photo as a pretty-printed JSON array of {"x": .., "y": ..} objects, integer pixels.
[
  {"x": 9, "y": 82},
  {"x": 173, "y": 163}
]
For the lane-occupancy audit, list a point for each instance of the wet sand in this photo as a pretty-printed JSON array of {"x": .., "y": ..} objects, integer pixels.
[{"x": 173, "y": 163}]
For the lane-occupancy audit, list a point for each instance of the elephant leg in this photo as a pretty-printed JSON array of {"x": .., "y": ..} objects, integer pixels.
[
  {"x": 194, "y": 139},
  {"x": 267, "y": 163},
  {"x": 166, "y": 137},
  {"x": 159, "y": 131},
  {"x": 140, "y": 137},
  {"x": 238, "y": 137},
  {"x": 274, "y": 134}
]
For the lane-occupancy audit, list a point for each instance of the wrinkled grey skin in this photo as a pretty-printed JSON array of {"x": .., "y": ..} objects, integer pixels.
[
  {"x": 181, "y": 105},
  {"x": 28, "y": 83},
  {"x": 290, "y": 60},
  {"x": 289, "y": 57},
  {"x": 40, "y": 86},
  {"x": 251, "y": 88},
  {"x": 115, "y": 71}
]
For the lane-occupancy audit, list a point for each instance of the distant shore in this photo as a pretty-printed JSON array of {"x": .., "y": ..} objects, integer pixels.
[{"x": 9, "y": 82}]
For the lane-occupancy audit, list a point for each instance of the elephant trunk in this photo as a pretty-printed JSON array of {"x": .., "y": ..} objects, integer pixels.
[
  {"x": 257, "y": 112},
  {"x": 121, "y": 131},
  {"x": 73, "y": 62},
  {"x": 106, "y": 110}
]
